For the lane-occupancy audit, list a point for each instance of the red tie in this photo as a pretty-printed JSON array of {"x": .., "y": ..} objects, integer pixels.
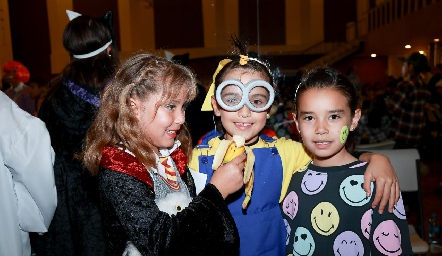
[{"x": 170, "y": 172}]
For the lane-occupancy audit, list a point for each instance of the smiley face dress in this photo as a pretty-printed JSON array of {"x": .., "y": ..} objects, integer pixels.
[{"x": 326, "y": 212}]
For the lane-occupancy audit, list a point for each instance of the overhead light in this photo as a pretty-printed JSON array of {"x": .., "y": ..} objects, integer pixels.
[
  {"x": 436, "y": 39},
  {"x": 408, "y": 46},
  {"x": 373, "y": 55},
  {"x": 421, "y": 52}
]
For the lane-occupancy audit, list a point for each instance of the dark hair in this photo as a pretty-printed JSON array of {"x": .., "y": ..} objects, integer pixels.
[
  {"x": 240, "y": 48},
  {"x": 39, "y": 80},
  {"x": 115, "y": 125},
  {"x": 324, "y": 77},
  {"x": 253, "y": 64},
  {"x": 182, "y": 59},
  {"x": 83, "y": 35},
  {"x": 419, "y": 62}
]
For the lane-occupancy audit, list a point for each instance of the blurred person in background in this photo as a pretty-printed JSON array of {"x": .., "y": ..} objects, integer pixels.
[
  {"x": 407, "y": 104},
  {"x": 68, "y": 110},
  {"x": 14, "y": 79},
  {"x": 38, "y": 88}
]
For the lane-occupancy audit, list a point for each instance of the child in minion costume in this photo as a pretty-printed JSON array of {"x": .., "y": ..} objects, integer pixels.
[{"x": 270, "y": 163}]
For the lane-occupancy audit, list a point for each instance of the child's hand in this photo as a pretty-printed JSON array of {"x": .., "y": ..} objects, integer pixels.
[
  {"x": 228, "y": 178},
  {"x": 387, "y": 183}
]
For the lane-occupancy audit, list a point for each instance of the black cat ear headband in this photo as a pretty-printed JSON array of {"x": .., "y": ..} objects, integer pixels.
[{"x": 107, "y": 19}]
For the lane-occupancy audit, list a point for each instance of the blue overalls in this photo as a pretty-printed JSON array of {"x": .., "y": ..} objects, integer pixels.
[{"x": 261, "y": 226}]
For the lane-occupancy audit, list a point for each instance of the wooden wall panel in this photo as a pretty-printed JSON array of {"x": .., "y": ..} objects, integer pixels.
[
  {"x": 30, "y": 35},
  {"x": 271, "y": 24},
  {"x": 178, "y": 24},
  {"x": 97, "y": 8},
  {"x": 337, "y": 13}
]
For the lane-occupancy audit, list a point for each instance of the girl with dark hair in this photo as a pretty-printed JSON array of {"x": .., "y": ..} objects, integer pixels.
[
  {"x": 241, "y": 95},
  {"x": 68, "y": 111},
  {"x": 138, "y": 145},
  {"x": 326, "y": 210}
]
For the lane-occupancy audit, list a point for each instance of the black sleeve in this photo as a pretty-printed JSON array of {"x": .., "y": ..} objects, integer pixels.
[{"x": 205, "y": 227}]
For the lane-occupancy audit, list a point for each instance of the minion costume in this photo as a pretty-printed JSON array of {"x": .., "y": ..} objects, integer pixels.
[{"x": 261, "y": 227}]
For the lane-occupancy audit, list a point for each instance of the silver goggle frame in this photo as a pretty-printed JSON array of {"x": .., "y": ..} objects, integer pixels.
[{"x": 246, "y": 89}]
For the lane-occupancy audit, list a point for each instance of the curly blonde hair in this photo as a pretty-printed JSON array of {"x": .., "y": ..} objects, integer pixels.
[{"x": 116, "y": 125}]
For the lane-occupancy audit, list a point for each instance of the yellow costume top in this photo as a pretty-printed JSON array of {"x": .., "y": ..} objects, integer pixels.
[{"x": 292, "y": 153}]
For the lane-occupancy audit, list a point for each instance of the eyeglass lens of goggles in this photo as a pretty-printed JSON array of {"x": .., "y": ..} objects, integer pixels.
[{"x": 232, "y": 95}]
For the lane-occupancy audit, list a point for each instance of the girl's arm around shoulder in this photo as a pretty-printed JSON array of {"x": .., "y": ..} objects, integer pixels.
[{"x": 379, "y": 169}]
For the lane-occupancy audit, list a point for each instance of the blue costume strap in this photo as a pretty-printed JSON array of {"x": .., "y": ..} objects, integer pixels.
[
  {"x": 266, "y": 138},
  {"x": 82, "y": 93},
  {"x": 214, "y": 133},
  {"x": 210, "y": 135}
]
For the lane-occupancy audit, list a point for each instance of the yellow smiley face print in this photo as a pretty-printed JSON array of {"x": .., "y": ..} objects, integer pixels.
[{"x": 325, "y": 218}]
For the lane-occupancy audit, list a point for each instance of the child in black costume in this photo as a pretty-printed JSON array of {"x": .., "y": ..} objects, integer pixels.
[
  {"x": 136, "y": 142},
  {"x": 68, "y": 110}
]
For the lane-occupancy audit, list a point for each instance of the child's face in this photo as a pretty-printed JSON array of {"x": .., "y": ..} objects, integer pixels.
[
  {"x": 8, "y": 75},
  {"x": 161, "y": 129},
  {"x": 323, "y": 117},
  {"x": 7, "y": 78},
  {"x": 34, "y": 90},
  {"x": 243, "y": 121}
]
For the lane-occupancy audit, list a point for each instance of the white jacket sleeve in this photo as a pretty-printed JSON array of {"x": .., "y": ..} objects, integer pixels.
[{"x": 27, "y": 153}]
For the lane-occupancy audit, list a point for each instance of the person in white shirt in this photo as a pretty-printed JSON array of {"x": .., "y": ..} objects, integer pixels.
[{"x": 28, "y": 196}]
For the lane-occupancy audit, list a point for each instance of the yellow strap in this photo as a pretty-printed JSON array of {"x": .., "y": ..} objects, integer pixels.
[
  {"x": 243, "y": 59},
  {"x": 207, "y": 105}
]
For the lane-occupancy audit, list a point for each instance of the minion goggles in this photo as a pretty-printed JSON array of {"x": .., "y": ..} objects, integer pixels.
[{"x": 257, "y": 95}]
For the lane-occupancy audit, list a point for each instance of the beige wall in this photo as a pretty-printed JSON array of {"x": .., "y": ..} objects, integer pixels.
[
  {"x": 136, "y": 27},
  {"x": 304, "y": 23},
  {"x": 5, "y": 35},
  {"x": 362, "y": 17},
  {"x": 304, "y": 28},
  {"x": 57, "y": 19}
]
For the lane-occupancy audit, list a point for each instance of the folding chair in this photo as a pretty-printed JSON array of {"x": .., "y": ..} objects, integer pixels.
[{"x": 407, "y": 166}]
